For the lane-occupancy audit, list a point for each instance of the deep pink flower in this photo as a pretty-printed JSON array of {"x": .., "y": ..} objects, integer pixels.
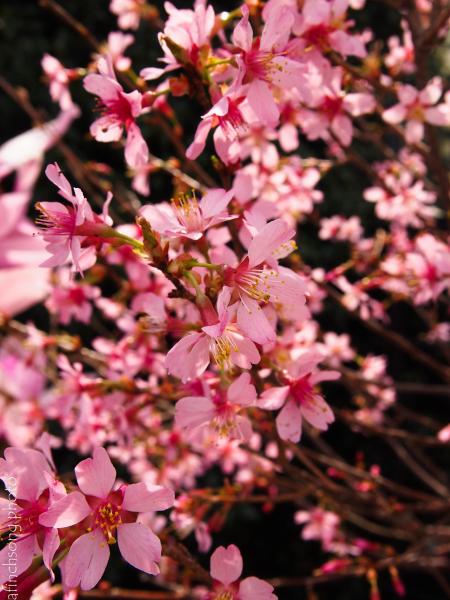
[
  {"x": 112, "y": 518},
  {"x": 64, "y": 228},
  {"x": 215, "y": 414},
  {"x": 120, "y": 110},
  {"x": 41, "y": 506},
  {"x": 299, "y": 399}
]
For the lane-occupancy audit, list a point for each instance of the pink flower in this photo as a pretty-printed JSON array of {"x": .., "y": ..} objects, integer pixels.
[
  {"x": 41, "y": 506},
  {"x": 128, "y": 12},
  {"x": 71, "y": 300},
  {"x": 419, "y": 107},
  {"x": 190, "y": 357},
  {"x": 259, "y": 279},
  {"x": 227, "y": 116},
  {"x": 332, "y": 107},
  {"x": 120, "y": 111},
  {"x": 320, "y": 525},
  {"x": 226, "y": 568},
  {"x": 112, "y": 518},
  {"x": 323, "y": 26},
  {"x": 216, "y": 413},
  {"x": 64, "y": 228},
  {"x": 59, "y": 79},
  {"x": 118, "y": 42},
  {"x": 187, "y": 217},
  {"x": 299, "y": 399},
  {"x": 265, "y": 66}
]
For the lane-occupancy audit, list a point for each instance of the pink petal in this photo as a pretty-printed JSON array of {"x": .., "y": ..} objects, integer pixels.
[
  {"x": 139, "y": 546},
  {"x": 197, "y": 146},
  {"x": 268, "y": 240},
  {"x": 242, "y": 391},
  {"x": 226, "y": 564},
  {"x": 253, "y": 322},
  {"x": 215, "y": 202},
  {"x": 395, "y": 114},
  {"x": 26, "y": 549},
  {"x": 51, "y": 545},
  {"x": 141, "y": 498},
  {"x": 66, "y": 511},
  {"x": 96, "y": 476},
  {"x": 136, "y": 149},
  {"x": 261, "y": 100},
  {"x": 22, "y": 287},
  {"x": 317, "y": 412},
  {"x": 189, "y": 357},
  {"x": 104, "y": 87},
  {"x": 289, "y": 422},
  {"x": 86, "y": 561},
  {"x": 190, "y": 412},
  {"x": 253, "y": 588},
  {"x": 273, "y": 398},
  {"x": 243, "y": 34}
]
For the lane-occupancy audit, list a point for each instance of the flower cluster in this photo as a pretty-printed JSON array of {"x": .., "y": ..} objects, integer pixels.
[{"x": 200, "y": 337}]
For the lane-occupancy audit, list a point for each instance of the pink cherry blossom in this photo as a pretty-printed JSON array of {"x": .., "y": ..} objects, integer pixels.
[
  {"x": 119, "y": 111},
  {"x": 226, "y": 569},
  {"x": 64, "y": 228},
  {"x": 299, "y": 399},
  {"x": 417, "y": 108},
  {"x": 41, "y": 507},
  {"x": 216, "y": 412},
  {"x": 222, "y": 339},
  {"x": 112, "y": 518},
  {"x": 186, "y": 217},
  {"x": 259, "y": 278}
]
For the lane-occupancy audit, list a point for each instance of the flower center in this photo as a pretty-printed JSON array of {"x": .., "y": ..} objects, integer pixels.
[
  {"x": 317, "y": 35},
  {"x": 119, "y": 108},
  {"x": 233, "y": 122},
  {"x": 221, "y": 349},
  {"x": 107, "y": 517},
  {"x": 187, "y": 211},
  {"x": 302, "y": 390},
  {"x": 331, "y": 106},
  {"x": 56, "y": 221}
]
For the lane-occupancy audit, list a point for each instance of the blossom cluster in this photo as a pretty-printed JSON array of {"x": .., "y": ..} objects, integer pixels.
[{"x": 190, "y": 334}]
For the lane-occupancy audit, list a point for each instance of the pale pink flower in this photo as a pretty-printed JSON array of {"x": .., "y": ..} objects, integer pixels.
[
  {"x": 400, "y": 58},
  {"x": 341, "y": 228},
  {"x": 337, "y": 348},
  {"x": 430, "y": 266},
  {"x": 299, "y": 398},
  {"x": 186, "y": 217},
  {"x": 259, "y": 279},
  {"x": 64, "y": 228},
  {"x": 112, "y": 518},
  {"x": 332, "y": 109},
  {"x": 120, "y": 110},
  {"x": 71, "y": 300},
  {"x": 128, "y": 12},
  {"x": 323, "y": 26},
  {"x": 226, "y": 568},
  {"x": 222, "y": 339},
  {"x": 118, "y": 42},
  {"x": 266, "y": 66},
  {"x": 319, "y": 525},
  {"x": 444, "y": 434},
  {"x": 190, "y": 30},
  {"x": 215, "y": 414},
  {"x": 59, "y": 78},
  {"x": 417, "y": 108},
  {"x": 38, "y": 500}
]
